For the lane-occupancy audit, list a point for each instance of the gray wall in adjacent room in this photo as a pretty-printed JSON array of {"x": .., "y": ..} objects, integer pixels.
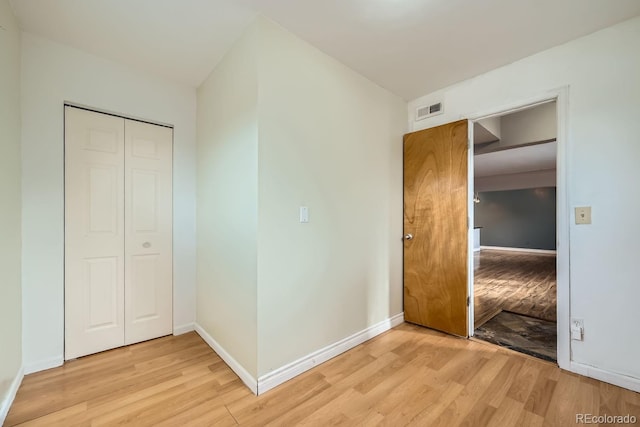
[{"x": 518, "y": 218}]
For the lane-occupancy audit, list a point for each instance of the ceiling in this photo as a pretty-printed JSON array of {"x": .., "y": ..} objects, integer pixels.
[
  {"x": 181, "y": 40},
  {"x": 411, "y": 47},
  {"x": 528, "y": 158}
]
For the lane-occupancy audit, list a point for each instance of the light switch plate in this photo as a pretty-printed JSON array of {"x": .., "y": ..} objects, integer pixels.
[
  {"x": 304, "y": 214},
  {"x": 583, "y": 215}
]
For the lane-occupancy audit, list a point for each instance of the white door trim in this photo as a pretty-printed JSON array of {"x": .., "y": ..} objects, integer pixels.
[{"x": 561, "y": 97}]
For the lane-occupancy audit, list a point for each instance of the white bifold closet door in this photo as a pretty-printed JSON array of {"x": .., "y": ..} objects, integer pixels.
[
  {"x": 148, "y": 260},
  {"x": 118, "y": 232}
]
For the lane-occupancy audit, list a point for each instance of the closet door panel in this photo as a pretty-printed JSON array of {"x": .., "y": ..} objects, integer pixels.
[
  {"x": 148, "y": 234},
  {"x": 94, "y": 232}
]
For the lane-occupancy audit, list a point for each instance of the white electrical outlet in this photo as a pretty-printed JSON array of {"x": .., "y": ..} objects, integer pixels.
[{"x": 577, "y": 329}]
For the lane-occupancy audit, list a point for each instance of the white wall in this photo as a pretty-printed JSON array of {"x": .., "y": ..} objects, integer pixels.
[
  {"x": 331, "y": 140},
  {"x": 52, "y": 74},
  {"x": 531, "y": 125},
  {"x": 10, "y": 294},
  {"x": 493, "y": 125},
  {"x": 602, "y": 72},
  {"x": 282, "y": 125},
  {"x": 516, "y": 181},
  {"x": 228, "y": 203}
]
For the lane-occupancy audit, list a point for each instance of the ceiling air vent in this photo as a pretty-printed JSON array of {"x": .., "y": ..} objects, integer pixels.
[{"x": 429, "y": 111}]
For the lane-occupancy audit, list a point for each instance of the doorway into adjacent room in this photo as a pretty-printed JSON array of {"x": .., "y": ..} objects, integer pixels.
[{"x": 515, "y": 276}]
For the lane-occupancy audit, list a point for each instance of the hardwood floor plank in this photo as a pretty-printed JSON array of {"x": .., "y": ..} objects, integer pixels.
[
  {"x": 332, "y": 411},
  {"x": 528, "y": 419},
  {"x": 217, "y": 417},
  {"x": 479, "y": 416},
  {"x": 58, "y": 417},
  {"x": 507, "y": 414},
  {"x": 475, "y": 390},
  {"x": 499, "y": 387},
  {"x": 524, "y": 381},
  {"x": 540, "y": 396},
  {"x": 407, "y": 376},
  {"x": 435, "y": 407},
  {"x": 307, "y": 408},
  {"x": 196, "y": 414},
  {"x": 407, "y": 399},
  {"x": 563, "y": 406},
  {"x": 255, "y": 411}
]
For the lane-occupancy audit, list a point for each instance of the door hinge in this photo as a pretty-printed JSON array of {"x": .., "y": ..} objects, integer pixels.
[
  {"x": 468, "y": 302},
  {"x": 468, "y": 144},
  {"x": 468, "y": 221}
]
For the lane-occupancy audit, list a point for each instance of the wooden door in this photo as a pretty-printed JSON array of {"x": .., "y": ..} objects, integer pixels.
[
  {"x": 435, "y": 227},
  {"x": 148, "y": 236},
  {"x": 94, "y": 232}
]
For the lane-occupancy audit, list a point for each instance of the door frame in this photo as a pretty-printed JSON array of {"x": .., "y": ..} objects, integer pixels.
[{"x": 561, "y": 97}]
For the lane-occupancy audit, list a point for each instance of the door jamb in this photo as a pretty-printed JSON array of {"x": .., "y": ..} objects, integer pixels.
[{"x": 561, "y": 97}]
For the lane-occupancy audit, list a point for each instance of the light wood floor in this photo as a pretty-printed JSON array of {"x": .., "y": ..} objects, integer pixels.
[
  {"x": 519, "y": 282},
  {"x": 407, "y": 376}
]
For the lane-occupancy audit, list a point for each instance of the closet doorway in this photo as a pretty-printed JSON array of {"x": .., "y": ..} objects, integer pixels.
[{"x": 118, "y": 231}]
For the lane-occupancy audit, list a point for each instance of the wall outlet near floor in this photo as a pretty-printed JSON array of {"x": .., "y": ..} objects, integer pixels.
[{"x": 577, "y": 329}]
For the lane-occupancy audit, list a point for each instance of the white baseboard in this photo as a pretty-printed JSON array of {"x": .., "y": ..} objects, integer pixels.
[
  {"x": 293, "y": 369},
  {"x": 183, "y": 329},
  {"x": 534, "y": 251},
  {"x": 620, "y": 380},
  {"x": 236, "y": 367},
  {"x": 43, "y": 365},
  {"x": 10, "y": 395}
]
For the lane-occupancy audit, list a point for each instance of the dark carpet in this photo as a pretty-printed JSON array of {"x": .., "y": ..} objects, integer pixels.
[{"x": 535, "y": 337}]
